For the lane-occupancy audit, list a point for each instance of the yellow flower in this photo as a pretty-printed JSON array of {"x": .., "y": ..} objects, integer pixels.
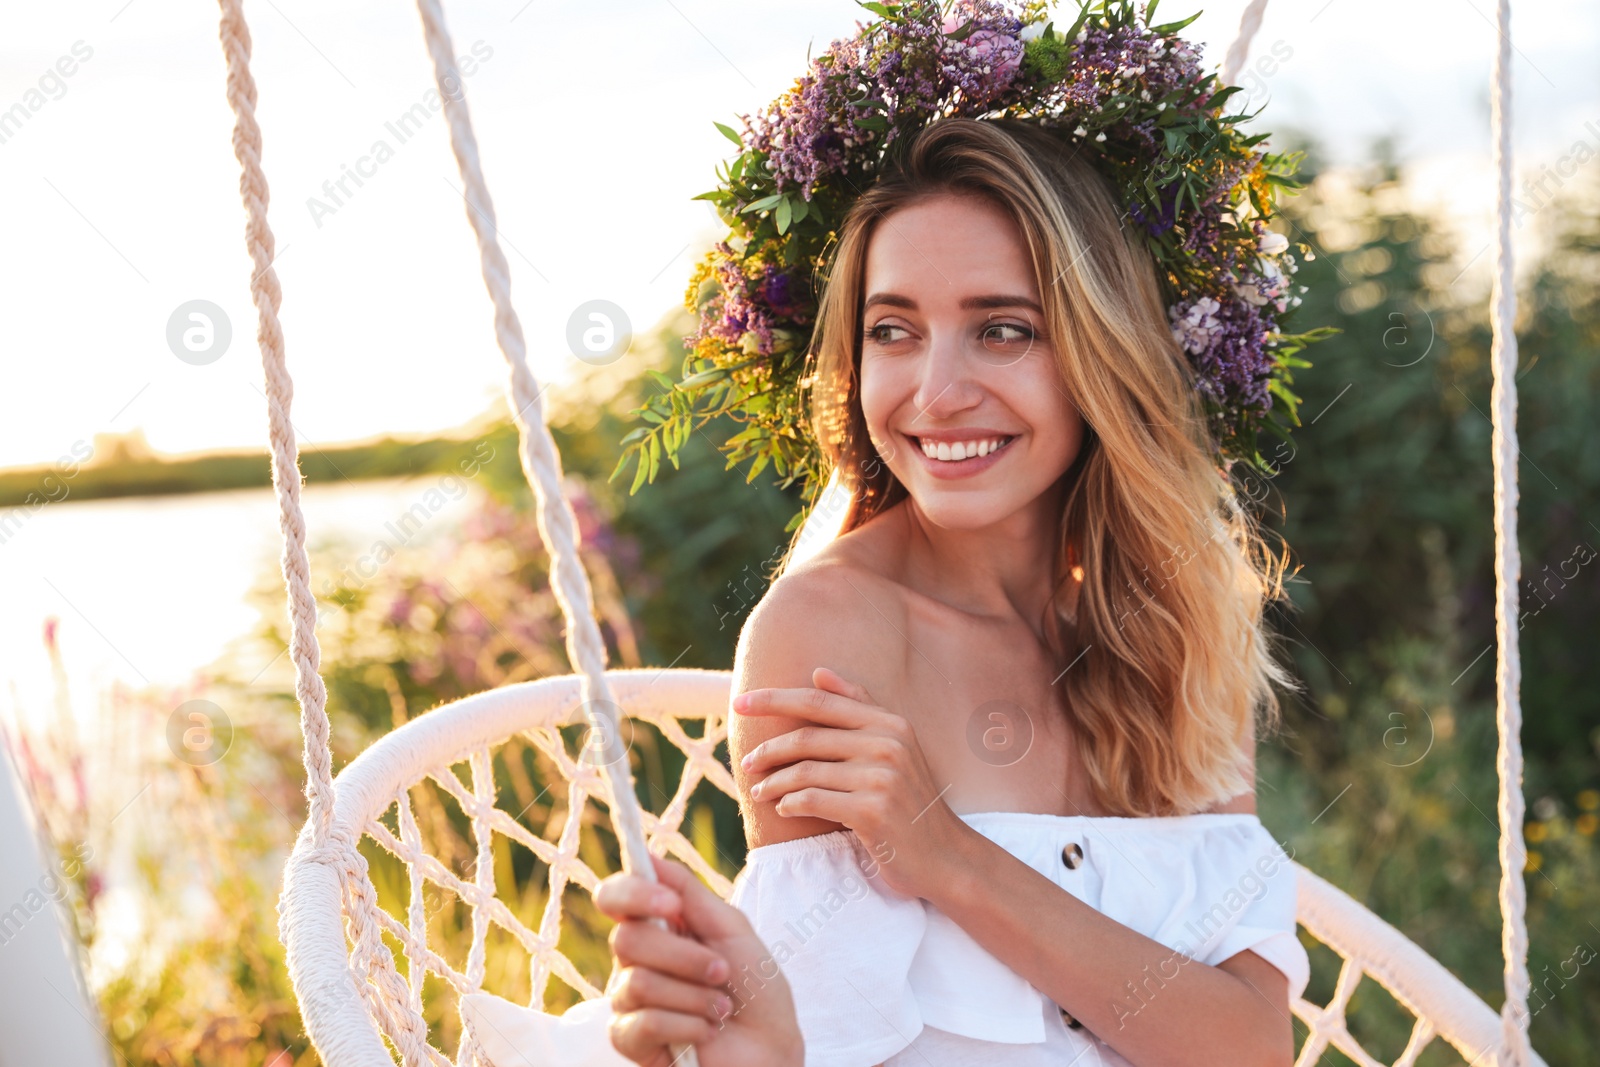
[
  {"x": 1535, "y": 861},
  {"x": 1589, "y": 799},
  {"x": 1535, "y": 831},
  {"x": 1587, "y": 823}
]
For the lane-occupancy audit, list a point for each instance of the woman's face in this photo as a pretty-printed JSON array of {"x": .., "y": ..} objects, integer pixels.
[{"x": 956, "y": 358}]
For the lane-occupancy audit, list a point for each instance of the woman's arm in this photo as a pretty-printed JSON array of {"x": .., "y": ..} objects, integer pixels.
[
  {"x": 1150, "y": 1003},
  {"x": 805, "y": 621},
  {"x": 1241, "y": 1005}
]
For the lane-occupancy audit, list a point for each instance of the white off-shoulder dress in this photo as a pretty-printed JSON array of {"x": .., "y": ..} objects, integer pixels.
[{"x": 882, "y": 978}]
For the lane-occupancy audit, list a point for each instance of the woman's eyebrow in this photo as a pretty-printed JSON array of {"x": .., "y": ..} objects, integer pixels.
[{"x": 971, "y": 303}]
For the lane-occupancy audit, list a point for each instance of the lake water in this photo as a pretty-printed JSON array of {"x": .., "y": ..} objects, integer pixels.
[{"x": 148, "y": 590}]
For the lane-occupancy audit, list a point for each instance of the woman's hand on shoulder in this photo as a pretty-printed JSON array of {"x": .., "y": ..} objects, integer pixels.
[
  {"x": 813, "y": 751},
  {"x": 859, "y": 765},
  {"x": 805, "y": 619}
]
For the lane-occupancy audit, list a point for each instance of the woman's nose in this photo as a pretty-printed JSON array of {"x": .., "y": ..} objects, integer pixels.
[{"x": 945, "y": 383}]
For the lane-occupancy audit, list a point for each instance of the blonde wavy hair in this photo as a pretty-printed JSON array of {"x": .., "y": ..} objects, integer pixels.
[{"x": 1162, "y": 576}]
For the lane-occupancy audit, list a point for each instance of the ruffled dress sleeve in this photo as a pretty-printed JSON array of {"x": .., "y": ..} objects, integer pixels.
[
  {"x": 868, "y": 967},
  {"x": 1209, "y": 886},
  {"x": 843, "y": 940}
]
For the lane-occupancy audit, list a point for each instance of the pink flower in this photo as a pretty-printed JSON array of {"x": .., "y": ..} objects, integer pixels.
[{"x": 1001, "y": 50}]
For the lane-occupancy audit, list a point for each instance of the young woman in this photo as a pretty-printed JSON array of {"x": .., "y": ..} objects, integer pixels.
[{"x": 995, "y": 742}]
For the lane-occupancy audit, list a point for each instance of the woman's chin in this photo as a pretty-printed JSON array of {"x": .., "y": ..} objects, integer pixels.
[{"x": 960, "y": 510}]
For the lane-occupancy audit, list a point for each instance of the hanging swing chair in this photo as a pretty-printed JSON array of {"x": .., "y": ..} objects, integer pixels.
[{"x": 358, "y": 1009}]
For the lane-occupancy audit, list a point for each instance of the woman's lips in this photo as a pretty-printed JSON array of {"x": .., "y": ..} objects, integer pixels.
[{"x": 963, "y": 468}]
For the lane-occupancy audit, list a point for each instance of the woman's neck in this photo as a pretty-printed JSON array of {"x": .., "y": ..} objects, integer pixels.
[{"x": 1005, "y": 570}]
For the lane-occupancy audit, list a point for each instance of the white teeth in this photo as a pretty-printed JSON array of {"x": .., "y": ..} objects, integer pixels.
[{"x": 960, "y": 450}]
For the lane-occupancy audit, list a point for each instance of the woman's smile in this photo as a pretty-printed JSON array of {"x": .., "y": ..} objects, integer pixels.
[{"x": 963, "y": 457}]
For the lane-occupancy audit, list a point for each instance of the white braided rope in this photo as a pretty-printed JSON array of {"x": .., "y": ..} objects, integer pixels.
[
  {"x": 264, "y": 290},
  {"x": 392, "y": 1001},
  {"x": 1249, "y": 23},
  {"x": 1515, "y": 1050},
  {"x": 541, "y": 463},
  {"x": 1514, "y": 1047},
  {"x": 337, "y": 851}
]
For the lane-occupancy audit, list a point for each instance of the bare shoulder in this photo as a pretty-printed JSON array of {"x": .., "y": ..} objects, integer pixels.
[{"x": 833, "y": 611}]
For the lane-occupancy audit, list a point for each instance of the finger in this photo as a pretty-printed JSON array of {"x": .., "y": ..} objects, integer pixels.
[
  {"x": 833, "y": 681},
  {"x": 808, "y": 774},
  {"x": 644, "y": 944},
  {"x": 628, "y": 895},
  {"x": 639, "y": 988},
  {"x": 644, "y": 1036},
  {"x": 707, "y": 916},
  {"x": 805, "y": 742},
  {"x": 815, "y": 705},
  {"x": 828, "y": 804}
]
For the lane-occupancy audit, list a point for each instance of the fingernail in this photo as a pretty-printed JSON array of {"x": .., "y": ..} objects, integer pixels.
[
  {"x": 721, "y": 1006},
  {"x": 749, "y": 759},
  {"x": 741, "y": 702},
  {"x": 717, "y": 970}
]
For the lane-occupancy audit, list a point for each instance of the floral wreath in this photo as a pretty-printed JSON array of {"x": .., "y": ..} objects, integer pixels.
[{"x": 1132, "y": 93}]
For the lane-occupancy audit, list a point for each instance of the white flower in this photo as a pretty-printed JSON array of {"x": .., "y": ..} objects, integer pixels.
[
  {"x": 1080, "y": 132},
  {"x": 1030, "y": 31},
  {"x": 1161, "y": 106},
  {"x": 1272, "y": 243},
  {"x": 1250, "y": 293},
  {"x": 1100, "y": 136},
  {"x": 1194, "y": 328}
]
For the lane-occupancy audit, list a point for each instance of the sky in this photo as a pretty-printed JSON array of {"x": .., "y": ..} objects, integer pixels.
[{"x": 595, "y": 121}]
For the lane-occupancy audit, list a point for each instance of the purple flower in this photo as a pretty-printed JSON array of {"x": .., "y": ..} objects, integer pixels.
[
  {"x": 902, "y": 74},
  {"x": 1166, "y": 213},
  {"x": 985, "y": 63},
  {"x": 1226, "y": 341}
]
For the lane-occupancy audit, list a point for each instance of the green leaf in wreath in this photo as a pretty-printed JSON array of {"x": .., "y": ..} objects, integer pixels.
[
  {"x": 705, "y": 377},
  {"x": 763, "y": 204},
  {"x": 1173, "y": 27}
]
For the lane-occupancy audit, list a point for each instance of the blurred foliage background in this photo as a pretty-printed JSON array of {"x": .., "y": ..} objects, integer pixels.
[{"x": 1383, "y": 779}]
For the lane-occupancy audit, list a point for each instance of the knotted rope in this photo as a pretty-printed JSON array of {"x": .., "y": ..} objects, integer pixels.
[
  {"x": 1515, "y": 1050},
  {"x": 1507, "y": 569},
  {"x": 540, "y": 463}
]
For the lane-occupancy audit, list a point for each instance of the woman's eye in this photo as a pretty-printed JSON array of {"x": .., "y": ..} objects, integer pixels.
[{"x": 1006, "y": 333}]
